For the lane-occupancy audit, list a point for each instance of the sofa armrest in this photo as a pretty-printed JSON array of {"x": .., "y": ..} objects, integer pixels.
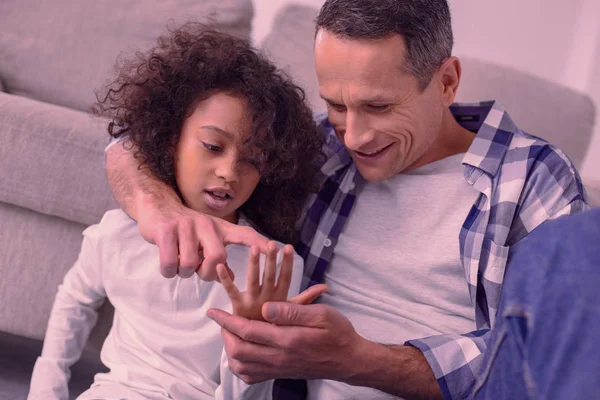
[{"x": 52, "y": 160}]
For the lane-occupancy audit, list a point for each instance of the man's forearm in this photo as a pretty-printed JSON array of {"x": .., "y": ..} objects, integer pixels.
[
  {"x": 399, "y": 370},
  {"x": 131, "y": 185}
]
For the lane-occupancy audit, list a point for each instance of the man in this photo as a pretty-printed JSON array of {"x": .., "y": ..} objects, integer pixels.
[{"x": 420, "y": 203}]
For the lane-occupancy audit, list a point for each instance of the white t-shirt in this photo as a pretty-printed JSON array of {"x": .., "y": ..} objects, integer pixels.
[
  {"x": 161, "y": 344},
  {"x": 396, "y": 271}
]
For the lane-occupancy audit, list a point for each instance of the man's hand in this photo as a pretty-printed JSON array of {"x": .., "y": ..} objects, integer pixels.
[
  {"x": 303, "y": 341},
  {"x": 317, "y": 342},
  {"x": 190, "y": 241}
]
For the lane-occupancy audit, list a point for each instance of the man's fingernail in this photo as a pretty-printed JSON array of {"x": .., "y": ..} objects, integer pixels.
[
  {"x": 210, "y": 314},
  {"x": 271, "y": 311}
]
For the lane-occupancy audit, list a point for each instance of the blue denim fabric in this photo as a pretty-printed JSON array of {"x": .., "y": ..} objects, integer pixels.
[{"x": 546, "y": 341}]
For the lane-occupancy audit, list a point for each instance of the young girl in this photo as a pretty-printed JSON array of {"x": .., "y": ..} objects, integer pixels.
[{"x": 234, "y": 138}]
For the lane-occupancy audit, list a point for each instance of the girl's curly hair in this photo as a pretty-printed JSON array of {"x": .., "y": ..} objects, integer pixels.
[{"x": 156, "y": 91}]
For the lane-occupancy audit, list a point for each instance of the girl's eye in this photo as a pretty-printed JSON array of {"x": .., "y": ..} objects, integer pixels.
[
  {"x": 252, "y": 162},
  {"x": 212, "y": 147}
]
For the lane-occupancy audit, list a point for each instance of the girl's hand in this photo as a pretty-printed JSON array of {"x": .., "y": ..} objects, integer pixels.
[{"x": 248, "y": 304}]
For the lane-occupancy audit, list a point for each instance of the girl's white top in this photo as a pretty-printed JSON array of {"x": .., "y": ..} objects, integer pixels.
[{"x": 161, "y": 344}]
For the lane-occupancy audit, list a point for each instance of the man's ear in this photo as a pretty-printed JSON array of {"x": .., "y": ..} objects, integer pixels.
[{"x": 448, "y": 76}]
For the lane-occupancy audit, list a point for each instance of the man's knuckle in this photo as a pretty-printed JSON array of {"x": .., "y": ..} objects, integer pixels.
[
  {"x": 220, "y": 254},
  {"x": 203, "y": 274},
  {"x": 246, "y": 332},
  {"x": 248, "y": 231},
  {"x": 234, "y": 366},
  {"x": 323, "y": 314},
  {"x": 283, "y": 359},
  {"x": 185, "y": 227},
  {"x": 289, "y": 342},
  {"x": 161, "y": 234},
  {"x": 203, "y": 222},
  {"x": 244, "y": 369},
  {"x": 234, "y": 352},
  {"x": 167, "y": 225},
  {"x": 291, "y": 314}
]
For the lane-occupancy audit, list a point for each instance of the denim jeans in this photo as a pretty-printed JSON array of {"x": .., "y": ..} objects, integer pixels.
[{"x": 546, "y": 340}]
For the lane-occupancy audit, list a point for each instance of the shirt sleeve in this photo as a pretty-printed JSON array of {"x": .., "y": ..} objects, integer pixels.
[
  {"x": 73, "y": 315},
  {"x": 232, "y": 387},
  {"x": 553, "y": 189},
  {"x": 455, "y": 360}
]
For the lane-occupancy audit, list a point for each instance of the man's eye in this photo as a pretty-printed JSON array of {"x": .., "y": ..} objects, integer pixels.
[
  {"x": 378, "y": 107},
  {"x": 212, "y": 147}
]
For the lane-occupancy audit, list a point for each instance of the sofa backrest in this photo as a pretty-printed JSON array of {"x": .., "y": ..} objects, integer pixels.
[
  {"x": 542, "y": 108},
  {"x": 61, "y": 51},
  {"x": 290, "y": 46},
  {"x": 556, "y": 113}
]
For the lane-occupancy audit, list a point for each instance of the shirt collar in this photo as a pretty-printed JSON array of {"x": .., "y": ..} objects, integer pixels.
[{"x": 494, "y": 128}]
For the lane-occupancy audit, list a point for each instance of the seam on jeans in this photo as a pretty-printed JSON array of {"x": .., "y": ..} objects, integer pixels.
[
  {"x": 488, "y": 367},
  {"x": 527, "y": 377},
  {"x": 521, "y": 311}
]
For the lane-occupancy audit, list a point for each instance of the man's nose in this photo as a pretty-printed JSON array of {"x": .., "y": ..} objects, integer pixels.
[{"x": 357, "y": 132}]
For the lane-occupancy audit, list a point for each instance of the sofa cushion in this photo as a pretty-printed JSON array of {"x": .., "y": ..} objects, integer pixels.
[
  {"x": 52, "y": 160},
  {"x": 60, "y": 51}
]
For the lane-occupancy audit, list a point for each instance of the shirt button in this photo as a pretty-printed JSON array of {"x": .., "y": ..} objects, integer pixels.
[
  {"x": 352, "y": 186},
  {"x": 327, "y": 242}
]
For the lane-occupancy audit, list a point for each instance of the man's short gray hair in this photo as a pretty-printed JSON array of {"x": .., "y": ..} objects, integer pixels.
[{"x": 425, "y": 26}]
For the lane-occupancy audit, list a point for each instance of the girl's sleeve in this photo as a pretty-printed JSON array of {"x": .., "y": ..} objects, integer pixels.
[
  {"x": 232, "y": 387},
  {"x": 73, "y": 316}
]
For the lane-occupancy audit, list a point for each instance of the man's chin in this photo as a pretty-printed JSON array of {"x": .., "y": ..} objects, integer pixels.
[{"x": 373, "y": 174}]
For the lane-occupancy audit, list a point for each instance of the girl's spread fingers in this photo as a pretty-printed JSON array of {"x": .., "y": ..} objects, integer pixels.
[
  {"x": 268, "y": 283},
  {"x": 254, "y": 272},
  {"x": 285, "y": 274},
  {"x": 309, "y": 295},
  {"x": 225, "y": 279}
]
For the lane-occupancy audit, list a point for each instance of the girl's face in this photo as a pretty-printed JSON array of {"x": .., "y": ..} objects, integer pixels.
[{"x": 209, "y": 171}]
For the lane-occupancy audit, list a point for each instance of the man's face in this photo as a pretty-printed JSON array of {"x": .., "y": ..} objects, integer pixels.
[{"x": 376, "y": 108}]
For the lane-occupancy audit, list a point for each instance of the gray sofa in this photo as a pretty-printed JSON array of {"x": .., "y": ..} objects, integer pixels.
[{"x": 52, "y": 182}]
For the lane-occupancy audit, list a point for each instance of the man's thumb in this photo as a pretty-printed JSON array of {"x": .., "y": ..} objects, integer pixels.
[{"x": 285, "y": 313}]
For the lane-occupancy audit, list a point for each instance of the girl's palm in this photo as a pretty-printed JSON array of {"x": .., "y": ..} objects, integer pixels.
[{"x": 248, "y": 304}]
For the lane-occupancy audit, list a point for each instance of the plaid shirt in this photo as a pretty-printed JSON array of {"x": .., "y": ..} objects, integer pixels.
[{"x": 523, "y": 181}]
